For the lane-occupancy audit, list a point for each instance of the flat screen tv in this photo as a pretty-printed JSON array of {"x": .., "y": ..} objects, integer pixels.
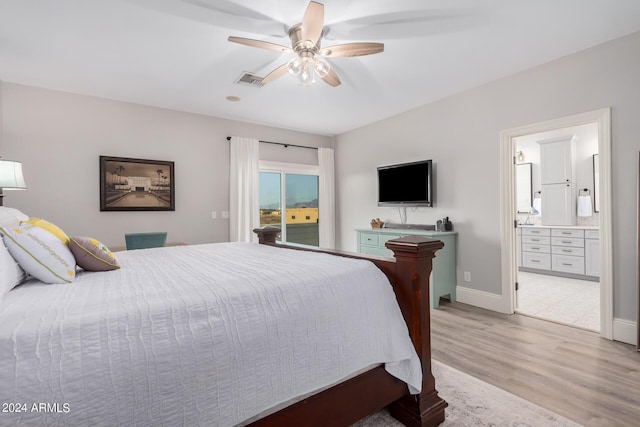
[{"x": 406, "y": 184}]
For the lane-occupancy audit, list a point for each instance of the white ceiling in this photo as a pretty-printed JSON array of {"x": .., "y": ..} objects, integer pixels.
[{"x": 175, "y": 54}]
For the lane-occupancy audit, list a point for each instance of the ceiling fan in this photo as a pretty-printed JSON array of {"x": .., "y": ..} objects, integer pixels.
[{"x": 305, "y": 43}]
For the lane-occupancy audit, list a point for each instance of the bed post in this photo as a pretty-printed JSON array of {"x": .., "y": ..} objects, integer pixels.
[
  {"x": 358, "y": 397},
  {"x": 267, "y": 235},
  {"x": 414, "y": 256}
]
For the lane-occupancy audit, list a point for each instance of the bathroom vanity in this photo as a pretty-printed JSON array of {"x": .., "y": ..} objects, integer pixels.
[{"x": 560, "y": 250}]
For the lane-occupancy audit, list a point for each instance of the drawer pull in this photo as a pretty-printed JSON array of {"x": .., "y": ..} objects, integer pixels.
[
  {"x": 535, "y": 240},
  {"x": 567, "y": 250},
  {"x": 566, "y": 232},
  {"x": 564, "y": 241},
  {"x": 567, "y": 264},
  {"x": 535, "y": 248},
  {"x": 534, "y": 260}
]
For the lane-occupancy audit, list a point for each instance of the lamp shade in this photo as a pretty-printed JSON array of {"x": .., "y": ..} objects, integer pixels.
[{"x": 11, "y": 175}]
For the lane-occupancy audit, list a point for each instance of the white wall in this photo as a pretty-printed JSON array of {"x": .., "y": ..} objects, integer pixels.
[
  {"x": 461, "y": 135},
  {"x": 59, "y": 136}
]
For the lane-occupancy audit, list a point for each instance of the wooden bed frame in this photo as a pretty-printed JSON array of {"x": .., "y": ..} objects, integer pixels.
[{"x": 365, "y": 394}]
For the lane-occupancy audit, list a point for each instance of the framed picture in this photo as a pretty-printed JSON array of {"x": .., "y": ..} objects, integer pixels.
[{"x": 136, "y": 184}]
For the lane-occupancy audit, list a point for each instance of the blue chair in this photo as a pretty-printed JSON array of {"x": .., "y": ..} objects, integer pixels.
[{"x": 145, "y": 240}]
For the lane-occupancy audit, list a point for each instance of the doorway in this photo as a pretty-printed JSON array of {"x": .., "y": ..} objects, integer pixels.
[
  {"x": 510, "y": 242},
  {"x": 558, "y": 252}
]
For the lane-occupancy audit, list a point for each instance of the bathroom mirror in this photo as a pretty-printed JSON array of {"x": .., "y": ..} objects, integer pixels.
[
  {"x": 596, "y": 183},
  {"x": 523, "y": 187}
]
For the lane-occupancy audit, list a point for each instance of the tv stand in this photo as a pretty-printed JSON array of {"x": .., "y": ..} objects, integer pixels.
[{"x": 443, "y": 279}]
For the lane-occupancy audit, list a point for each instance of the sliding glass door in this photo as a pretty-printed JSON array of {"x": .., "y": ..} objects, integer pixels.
[{"x": 289, "y": 200}]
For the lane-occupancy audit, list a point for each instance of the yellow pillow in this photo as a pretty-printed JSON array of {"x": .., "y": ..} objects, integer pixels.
[{"x": 51, "y": 228}]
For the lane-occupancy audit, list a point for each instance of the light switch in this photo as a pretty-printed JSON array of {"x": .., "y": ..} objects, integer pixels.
[
  {"x": 214, "y": 215},
  {"x": 225, "y": 214}
]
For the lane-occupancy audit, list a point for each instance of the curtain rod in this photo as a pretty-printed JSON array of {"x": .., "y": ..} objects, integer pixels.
[{"x": 283, "y": 144}]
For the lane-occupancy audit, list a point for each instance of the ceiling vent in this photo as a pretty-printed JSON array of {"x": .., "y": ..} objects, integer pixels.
[{"x": 250, "y": 80}]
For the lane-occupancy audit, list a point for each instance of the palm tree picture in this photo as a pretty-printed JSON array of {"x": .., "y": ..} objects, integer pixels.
[{"x": 147, "y": 186}]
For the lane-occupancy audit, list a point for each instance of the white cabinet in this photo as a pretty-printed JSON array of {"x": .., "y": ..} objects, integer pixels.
[
  {"x": 557, "y": 175},
  {"x": 572, "y": 252},
  {"x": 592, "y": 254},
  {"x": 559, "y": 204},
  {"x": 536, "y": 252},
  {"x": 567, "y": 249},
  {"x": 556, "y": 160}
]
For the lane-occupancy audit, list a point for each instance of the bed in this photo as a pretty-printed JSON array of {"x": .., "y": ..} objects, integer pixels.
[{"x": 224, "y": 334}]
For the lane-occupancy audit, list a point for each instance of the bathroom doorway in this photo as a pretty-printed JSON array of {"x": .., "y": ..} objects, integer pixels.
[
  {"x": 558, "y": 253},
  {"x": 547, "y": 262}
]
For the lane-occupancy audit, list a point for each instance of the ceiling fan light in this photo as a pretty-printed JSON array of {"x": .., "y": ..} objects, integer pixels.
[
  {"x": 307, "y": 76},
  {"x": 295, "y": 66},
  {"x": 321, "y": 68}
]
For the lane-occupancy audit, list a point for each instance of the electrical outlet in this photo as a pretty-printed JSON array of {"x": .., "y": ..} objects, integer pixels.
[
  {"x": 467, "y": 276},
  {"x": 214, "y": 215},
  {"x": 225, "y": 214}
]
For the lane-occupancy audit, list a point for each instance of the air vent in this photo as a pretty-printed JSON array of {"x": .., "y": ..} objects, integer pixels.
[{"x": 250, "y": 80}]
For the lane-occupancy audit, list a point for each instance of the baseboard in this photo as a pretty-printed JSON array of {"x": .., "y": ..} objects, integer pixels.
[
  {"x": 625, "y": 331},
  {"x": 482, "y": 299}
]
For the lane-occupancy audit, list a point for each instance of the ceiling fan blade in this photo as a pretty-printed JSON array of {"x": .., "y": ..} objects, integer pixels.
[
  {"x": 420, "y": 22},
  {"x": 275, "y": 73},
  {"x": 312, "y": 22},
  {"x": 219, "y": 13},
  {"x": 260, "y": 44},
  {"x": 332, "y": 78},
  {"x": 352, "y": 49}
]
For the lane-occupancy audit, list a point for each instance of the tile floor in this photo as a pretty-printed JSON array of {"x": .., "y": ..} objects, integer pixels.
[{"x": 559, "y": 299}]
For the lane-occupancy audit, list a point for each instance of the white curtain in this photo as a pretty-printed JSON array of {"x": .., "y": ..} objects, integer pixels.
[
  {"x": 244, "y": 205},
  {"x": 326, "y": 199}
]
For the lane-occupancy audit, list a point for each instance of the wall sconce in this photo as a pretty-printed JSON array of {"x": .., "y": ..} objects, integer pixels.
[
  {"x": 11, "y": 177},
  {"x": 520, "y": 156}
]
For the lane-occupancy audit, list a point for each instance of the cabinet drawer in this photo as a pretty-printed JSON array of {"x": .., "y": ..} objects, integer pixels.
[
  {"x": 375, "y": 250},
  {"x": 536, "y": 232},
  {"x": 370, "y": 239},
  {"x": 565, "y": 250},
  {"x": 567, "y": 241},
  {"x": 567, "y": 232},
  {"x": 383, "y": 238},
  {"x": 567, "y": 264},
  {"x": 536, "y": 240},
  {"x": 591, "y": 234},
  {"x": 534, "y": 260},
  {"x": 536, "y": 248}
]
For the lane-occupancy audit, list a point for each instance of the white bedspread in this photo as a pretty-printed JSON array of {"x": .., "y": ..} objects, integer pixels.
[{"x": 195, "y": 335}]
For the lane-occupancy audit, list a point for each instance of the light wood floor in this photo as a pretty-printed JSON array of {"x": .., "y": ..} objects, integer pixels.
[{"x": 570, "y": 371}]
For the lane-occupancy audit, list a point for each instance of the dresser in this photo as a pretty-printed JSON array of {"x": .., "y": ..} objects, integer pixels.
[
  {"x": 443, "y": 276},
  {"x": 569, "y": 251}
]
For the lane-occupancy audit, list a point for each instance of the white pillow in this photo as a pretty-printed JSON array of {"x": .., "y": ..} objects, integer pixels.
[
  {"x": 10, "y": 217},
  {"x": 40, "y": 253},
  {"x": 11, "y": 275}
]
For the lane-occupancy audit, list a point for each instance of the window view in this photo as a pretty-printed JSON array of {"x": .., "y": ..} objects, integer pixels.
[
  {"x": 270, "y": 207},
  {"x": 299, "y": 194}
]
